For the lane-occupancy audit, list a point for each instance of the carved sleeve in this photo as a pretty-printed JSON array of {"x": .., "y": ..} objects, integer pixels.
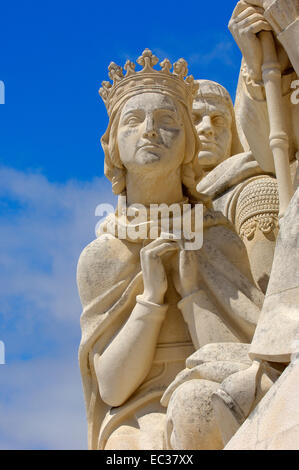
[{"x": 283, "y": 15}]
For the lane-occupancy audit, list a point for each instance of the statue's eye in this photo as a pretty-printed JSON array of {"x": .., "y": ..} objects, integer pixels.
[
  {"x": 167, "y": 119},
  {"x": 133, "y": 120},
  {"x": 219, "y": 120}
]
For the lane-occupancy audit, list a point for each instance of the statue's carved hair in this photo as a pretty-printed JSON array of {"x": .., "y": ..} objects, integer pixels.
[{"x": 116, "y": 172}]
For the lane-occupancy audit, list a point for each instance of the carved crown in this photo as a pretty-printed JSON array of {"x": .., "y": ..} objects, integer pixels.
[{"x": 148, "y": 79}]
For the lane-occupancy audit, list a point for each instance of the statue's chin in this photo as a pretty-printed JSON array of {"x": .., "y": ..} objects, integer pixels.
[
  {"x": 208, "y": 158},
  {"x": 148, "y": 158}
]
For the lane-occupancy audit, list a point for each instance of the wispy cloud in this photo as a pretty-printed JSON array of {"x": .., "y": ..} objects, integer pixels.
[
  {"x": 42, "y": 405},
  {"x": 44, "y": 227},
  {"x": 221, "y": 52}
]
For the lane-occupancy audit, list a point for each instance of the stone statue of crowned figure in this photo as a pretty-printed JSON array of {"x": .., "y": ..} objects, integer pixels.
[{"x": 175, "y": 350}]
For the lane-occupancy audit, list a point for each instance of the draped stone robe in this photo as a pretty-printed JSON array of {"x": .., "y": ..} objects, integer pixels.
[{"x": 224, "y": 309}]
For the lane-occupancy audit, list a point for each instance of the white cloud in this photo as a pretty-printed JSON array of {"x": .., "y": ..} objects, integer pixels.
[
  {"x": 221, "y": 52},
  {"x": 41, "y": 242},
  {"x": 44, "y": 227},
  {"x": 42, "y": 405}
]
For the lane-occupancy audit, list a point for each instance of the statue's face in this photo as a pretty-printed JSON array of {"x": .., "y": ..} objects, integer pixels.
[
  {"x": 151, "y": 134},
  {"x": 213, "y": 121}
]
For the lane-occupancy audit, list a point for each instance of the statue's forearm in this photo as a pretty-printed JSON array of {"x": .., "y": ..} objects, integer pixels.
[{"x": 128, "y": 359}]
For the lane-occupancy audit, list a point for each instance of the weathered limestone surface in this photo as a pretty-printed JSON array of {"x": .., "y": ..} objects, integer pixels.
[
  {"x": 277, "y": 335},
  {"x": 274, "y": 424}
]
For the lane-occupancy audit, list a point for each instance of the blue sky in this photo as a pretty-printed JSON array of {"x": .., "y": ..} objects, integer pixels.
[{"x": 54, "y": 56}]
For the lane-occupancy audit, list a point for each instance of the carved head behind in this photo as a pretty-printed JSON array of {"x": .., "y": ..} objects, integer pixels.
[
  {"x": 150, "y": 126},
  {"x": 214, "y": 119}
]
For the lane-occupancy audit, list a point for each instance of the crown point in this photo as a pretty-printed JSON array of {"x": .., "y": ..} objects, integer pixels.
[
  {"x": 180, "y": 68},
  {"x": 194, "y": 86},
  {"x": 129, "y": 67},
  {"x": 106, "y": 84},
  {"x": 105, "y": 90},
  {"x": 147, "y": 53},
  {"x": 147, "y": 60},
  {"x": 115, "y": 72},
  {"x": 165, "y": 66}
]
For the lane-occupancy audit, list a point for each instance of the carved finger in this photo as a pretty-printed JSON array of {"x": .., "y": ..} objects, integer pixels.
[
  {"x": 258, "y": 27},
  {"x": 250, "y": 19},
  {"x": 241, "y": 12},
  {"x": 162, "y": 249},
  {"x": 157, "y": 242},
  {"x": 187, "y": 256},
  {"x": 151, "y": 249},
  {"x": 249, "y": 11}
]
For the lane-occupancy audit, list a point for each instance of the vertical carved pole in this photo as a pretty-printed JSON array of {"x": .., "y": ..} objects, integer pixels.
[{"x": 278, "y": 138}]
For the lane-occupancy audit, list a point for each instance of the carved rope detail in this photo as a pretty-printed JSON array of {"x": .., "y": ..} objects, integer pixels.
[
  {"x": 257, "y": 207},
  {"x": 266, "y": 223}
]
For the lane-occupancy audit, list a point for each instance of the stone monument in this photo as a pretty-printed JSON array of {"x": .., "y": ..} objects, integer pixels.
[{"x": 179, "y": 349}]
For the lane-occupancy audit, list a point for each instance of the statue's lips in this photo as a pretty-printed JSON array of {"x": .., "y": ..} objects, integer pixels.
[
  {"x": 149, "y": 147},
  {"x": 208, "y": 144}
]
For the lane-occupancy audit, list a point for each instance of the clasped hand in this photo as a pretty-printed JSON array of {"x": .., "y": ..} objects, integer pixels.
[
  {"x": 155, "y": 257},
  {"x": 247, "y": 21}
]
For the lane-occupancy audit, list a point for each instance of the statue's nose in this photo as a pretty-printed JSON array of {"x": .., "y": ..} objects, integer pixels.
[
  {"x": 151, "y": 133},
  {"x": 150, "y": 130},
  {"x": 206, "y": 126}
]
